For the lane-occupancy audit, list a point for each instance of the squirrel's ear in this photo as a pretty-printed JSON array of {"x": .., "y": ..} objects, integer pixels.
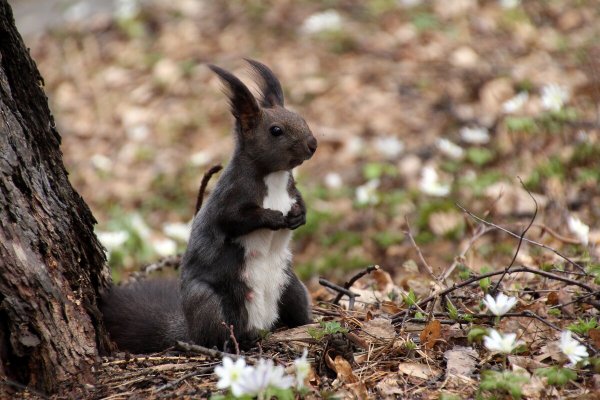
[
  {"x": 244, "y": 107},
  {"x": 272, "y": 94}
]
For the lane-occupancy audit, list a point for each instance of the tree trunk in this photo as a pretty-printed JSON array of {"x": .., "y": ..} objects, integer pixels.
[{"x": 51, "y": 264}]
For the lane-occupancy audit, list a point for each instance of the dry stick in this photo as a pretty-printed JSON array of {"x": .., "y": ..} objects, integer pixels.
[
  {"x": 194, "y": 348},
  {"x": 352, "y": 280},
  {"x": 546, "y": 229},
  {"x": 473, "y": 279},
  {"x": 481, "y": 230},
  {"x": 351, "y": 295},
  {"x": 567, "y": 259},
  {"x": 578, "y": 299},
  {"x": 420, "y": 254},
  {"x": 495, "y": 288},
  {"x": 232, "y": 336},
  {"x": 177, "y": 381},
  {"x": 207, "y": 175}
]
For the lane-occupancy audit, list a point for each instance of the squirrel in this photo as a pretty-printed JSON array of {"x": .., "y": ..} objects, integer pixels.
[{"x": 237, "y": 270}]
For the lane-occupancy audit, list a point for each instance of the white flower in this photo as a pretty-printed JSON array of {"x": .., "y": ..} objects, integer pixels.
[
  {"x": 101, "y": 162},
  {"x": 200, "y": 158},
  {"x": 501, "y": 305},
  {"x": 231, "y": 374},
  {"x": 178, "y": 231},
  {"x": 501, "y": 343},
  {"x": 265, "y": 374},
  {"x": 430, "y": 184},
  {"x": 579, "y": 229},
  {"x": 509, "y": 3},
  {"x": 554, "y": 97},
  {"x": 164, "y": 247},
  {"x": 112, "y": 240},
  {"x": 475, "y": 135},
  {"x": 126, "y": 9},
  {"x": 449, "y": 148},
  {"x": 409, "y": 3},
  {"x": 571, "y": 348},
  {"x": 333, "y": 180},
  {"x": 139, "y": 225},
  {"x": 329, "y": 20},
  {"x": 302, "y": 367},
  {"x": 389, "y": 146},
  {"x": 514, "y": 104},
  {"x": 367, "y": 193},
  {"x": 355, "y": 145}
]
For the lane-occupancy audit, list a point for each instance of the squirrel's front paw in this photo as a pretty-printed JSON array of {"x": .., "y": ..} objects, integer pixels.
[{"x": 296, "y": 217}]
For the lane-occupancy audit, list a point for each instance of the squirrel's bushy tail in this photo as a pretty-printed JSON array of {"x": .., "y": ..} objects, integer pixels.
[{"x": 146, "y": 316}]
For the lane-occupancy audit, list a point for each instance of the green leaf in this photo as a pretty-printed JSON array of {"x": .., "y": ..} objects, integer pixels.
[
  {"x": 504, "y": 382},
  {"x": 411, "y": 298},
  {"x": 582, "y": 327},
  {"x": 452, "y": 311},
  {"x": 476, "y": 334},
  {"x": 480, "y": 155},
  {"x": 557, "y": 376}
]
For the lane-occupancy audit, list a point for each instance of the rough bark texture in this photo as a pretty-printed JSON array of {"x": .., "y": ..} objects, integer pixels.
[{"x": 51, "y": 264}]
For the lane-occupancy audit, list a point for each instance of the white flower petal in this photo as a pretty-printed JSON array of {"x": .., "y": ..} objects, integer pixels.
[{"x": 475, "y": 135}]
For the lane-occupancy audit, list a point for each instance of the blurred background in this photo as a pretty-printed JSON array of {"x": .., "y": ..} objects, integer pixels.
[{"x": 417, "y": 105}]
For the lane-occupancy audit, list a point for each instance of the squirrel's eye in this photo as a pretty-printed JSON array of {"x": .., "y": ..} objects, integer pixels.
[{"x": 276, "y": 130}]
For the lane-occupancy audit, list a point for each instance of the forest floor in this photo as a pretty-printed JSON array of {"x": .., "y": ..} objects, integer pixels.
[{"x": 456, "y": 139}]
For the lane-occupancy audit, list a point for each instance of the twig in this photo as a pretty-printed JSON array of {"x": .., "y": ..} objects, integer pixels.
[
  {"x": 194, "y": 348},
  {"x": 578, "y": 299},
  {"x": 176, "y": 382},
  {"x": 477, "y": 278},
  {"x": 479, "y": 232},
  {"x": 495, "y": 288},
  {"x": 567, "y": 259},
  {"x": 207, "y": 175},
  {"x": 352, "y": 280},
  {"x": 420, "y": 254},
  {"x": 351, "y": 295},
  {"x": 232, "y": 336}
]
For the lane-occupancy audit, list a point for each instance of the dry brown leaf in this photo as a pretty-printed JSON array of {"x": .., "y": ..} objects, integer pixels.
[
  {"x": 359, "y": 390},
  {"x": 418, "y": 370},
  {"x": 565, "y": 297},
  {"x": 594, "y": 334},
  {"x": 389, "y": 307},
  {"x": 389, "y": 387},
  {"x": 527, "y": 363},
  {"x": 461, "y": 361},
  {"x": 431, "y": 334},
  {"x": 552, "y": 299},
  {"x": 378, "y": 329},
  {"x": 297, "y": 334},
  {"x": 383, "y": 279},
  {"x": 344, "y": 370}
]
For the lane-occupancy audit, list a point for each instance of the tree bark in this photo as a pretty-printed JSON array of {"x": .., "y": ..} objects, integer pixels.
[{"x": 51, "y": 265}]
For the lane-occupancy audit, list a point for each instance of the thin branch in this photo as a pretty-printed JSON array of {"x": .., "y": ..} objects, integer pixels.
[
  {"x": 495, "y": 288},
  {"x": 477, "y": 278},
  {"x": 352, "y": 280},
  {"x": 420, "y": 254},
  {"x": 518, "y": 236},
  {"x": 232, "y": 336},
  {"x": 194, "y": 348},
  {"x": 351, "y": 295},
  {"x": 177, "y": 381}
]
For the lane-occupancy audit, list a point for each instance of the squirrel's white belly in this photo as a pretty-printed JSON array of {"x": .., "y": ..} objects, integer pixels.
[{"x": 266, "y": 255}]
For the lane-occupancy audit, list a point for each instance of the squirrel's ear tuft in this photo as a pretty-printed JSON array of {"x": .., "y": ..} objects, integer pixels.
[
  {"x": 272, "y": 94},
  {"x": 244, "y": 107}
]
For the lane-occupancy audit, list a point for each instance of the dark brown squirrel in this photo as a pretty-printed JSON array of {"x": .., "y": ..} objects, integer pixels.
[{"x": 237, "y": 266}]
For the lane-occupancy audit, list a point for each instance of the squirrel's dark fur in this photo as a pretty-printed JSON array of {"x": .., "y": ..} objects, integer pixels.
[{"x": 237, "y": 266}]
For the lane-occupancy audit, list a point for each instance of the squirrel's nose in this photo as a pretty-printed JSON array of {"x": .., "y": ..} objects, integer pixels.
[{"x": 312, "y": 144}]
